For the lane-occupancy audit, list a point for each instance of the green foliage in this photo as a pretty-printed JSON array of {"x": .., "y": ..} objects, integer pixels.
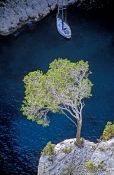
[
  {"x": 67, "y": 150},
  {"x": 92, "y": 167},
  {"x": 81, "y": 142},
  {"x": 108, "y": 132},
  {"x": 49, "y": 149},
  {"x": 41, "y": 122},
  {"x": 64, "y": 81},
  {"x": 102, "y": 149}
]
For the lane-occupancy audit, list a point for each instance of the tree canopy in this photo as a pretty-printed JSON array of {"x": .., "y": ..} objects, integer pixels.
[{"x": 61, "y": 89}]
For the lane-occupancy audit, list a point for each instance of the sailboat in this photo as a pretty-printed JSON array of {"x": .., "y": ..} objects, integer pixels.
[{"x": 61, "y": 20}]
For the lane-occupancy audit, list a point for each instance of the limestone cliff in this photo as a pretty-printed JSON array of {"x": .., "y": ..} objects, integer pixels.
[
  {"x": 16, "y": 13},
  {"x": 90, "y": 159}
]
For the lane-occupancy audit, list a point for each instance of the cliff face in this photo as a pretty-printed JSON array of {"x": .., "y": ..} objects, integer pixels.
[
  {"x": 68, "y": 159},
  {"x": 15, "y": 13}
]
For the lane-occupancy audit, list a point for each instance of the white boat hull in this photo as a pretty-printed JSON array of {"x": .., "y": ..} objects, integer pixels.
[{"x": 63, "y": 28}]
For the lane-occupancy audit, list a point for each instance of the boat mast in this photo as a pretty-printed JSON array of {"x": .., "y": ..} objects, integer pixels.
[
  {"x": 62, "y": 15},
  {"x": 62, "y": 11},
  {"x": 58, "y": 8},
  {"x": 66, "y": 3}
]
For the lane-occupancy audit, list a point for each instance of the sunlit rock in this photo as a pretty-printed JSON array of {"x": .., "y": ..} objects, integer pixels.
[{"x": 90, "y": 158}]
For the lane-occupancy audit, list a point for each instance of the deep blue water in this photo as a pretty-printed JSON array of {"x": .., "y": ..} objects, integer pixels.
[{"x": 21, "y": 141}]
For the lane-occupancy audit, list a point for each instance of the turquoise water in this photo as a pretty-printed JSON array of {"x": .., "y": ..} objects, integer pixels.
[{"x": 21, "y": 140}]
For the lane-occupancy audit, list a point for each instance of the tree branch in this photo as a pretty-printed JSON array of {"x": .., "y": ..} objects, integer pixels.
[
  {"x": 69, "y": 118},
  {"x": 65, "y": 108}
]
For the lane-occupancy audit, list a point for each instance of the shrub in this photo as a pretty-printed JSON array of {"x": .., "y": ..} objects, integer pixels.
[
  {"x": 108, "y": 132},
  {"x": 92, "y": 167},
  {"x": 81, "y": 141},
  {"x": 49, "y": 149},
  {"x": 102, "y": 149},
  {"x": 67, "y": 150}
]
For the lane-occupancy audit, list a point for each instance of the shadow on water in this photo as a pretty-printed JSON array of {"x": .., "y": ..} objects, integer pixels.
[{"x": 21, "y": 140}]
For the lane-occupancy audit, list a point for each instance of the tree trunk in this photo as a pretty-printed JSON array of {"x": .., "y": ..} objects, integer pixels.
[{"x": 79, "y": 125}]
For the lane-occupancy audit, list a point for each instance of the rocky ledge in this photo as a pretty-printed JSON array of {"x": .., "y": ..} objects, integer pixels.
[
  {"x": 16, "y": 13},
  {"x": 69, "y": 159}
]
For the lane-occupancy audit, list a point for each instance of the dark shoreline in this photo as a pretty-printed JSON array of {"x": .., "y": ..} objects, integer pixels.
[
  {"x": 99, "y": 14},
  {"x": 29, "y": 22}
]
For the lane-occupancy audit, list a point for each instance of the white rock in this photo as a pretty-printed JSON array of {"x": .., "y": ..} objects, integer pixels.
[{"x": 74, "y": 161}]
